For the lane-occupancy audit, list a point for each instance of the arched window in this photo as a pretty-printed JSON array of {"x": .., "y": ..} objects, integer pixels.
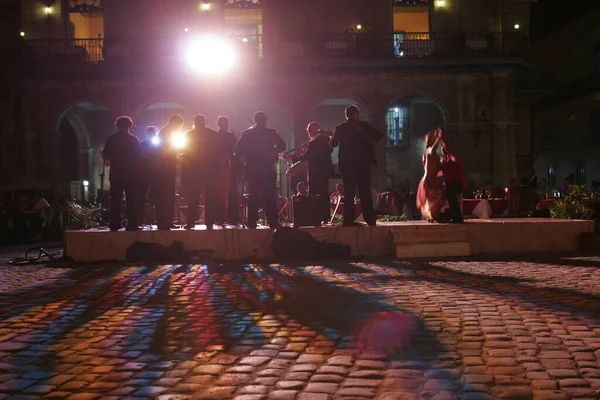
[{"x": 396, "y": 121}]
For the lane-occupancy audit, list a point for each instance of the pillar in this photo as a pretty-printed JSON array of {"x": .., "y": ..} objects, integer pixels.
[
  {"x": 379, "y": 172},
  {"x": 503, "y": 151}
]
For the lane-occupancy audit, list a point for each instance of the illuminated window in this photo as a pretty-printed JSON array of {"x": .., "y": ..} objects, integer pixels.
[
  {"x": 396, "y": 125},
  {"x": 411, "y": 18},
  {"x": 86, "y": 19},
  {"x": 581, "y": 173},
  {"x": 552, "y": 176}
]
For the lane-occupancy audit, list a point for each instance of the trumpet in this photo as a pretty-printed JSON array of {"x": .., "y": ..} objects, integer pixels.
[{"x": 326, "y": 132}]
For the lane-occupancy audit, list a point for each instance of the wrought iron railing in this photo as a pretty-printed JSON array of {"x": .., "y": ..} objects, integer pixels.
[{"x": 316, "y": 46}]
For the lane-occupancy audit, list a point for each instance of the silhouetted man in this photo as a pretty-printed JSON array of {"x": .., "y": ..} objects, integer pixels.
[
  {"x": 260, "y": 147},
  {"x": 320, "y": 167},
  {"x": 123, "y": 151},
  {"x": 357, "y": 140},
  {"x": 147, "y": 166},
  {"x": 202, "y": 157},
  {"x": 166, "y": 173},
  {"x": 229, "y": 172},
  {"x": 454, "y": 181}
]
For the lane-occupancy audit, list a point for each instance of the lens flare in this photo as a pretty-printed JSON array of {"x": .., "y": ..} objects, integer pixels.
[
  {"x": 156, "y": 140},
  {"x": 211, "y": 55},
  {"x": 179, "y": 140},
  {"x": 386, "y": 332}
]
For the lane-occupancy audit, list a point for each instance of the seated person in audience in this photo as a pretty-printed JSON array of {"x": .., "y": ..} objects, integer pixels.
[
  {"x": 338, "y": 195},
  {"x": 568, "y": 184},
  {"x": 301, "y": 189},
  {"x": 375, "y": 196},
  {"x": 542, "y": 189},
  {"x": 41, "y": 207}
]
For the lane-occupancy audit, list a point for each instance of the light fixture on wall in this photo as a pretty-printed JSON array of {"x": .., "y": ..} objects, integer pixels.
[
  {"x": 22, "y": 34},
  {"x": 517, "y": 26},
  {"x": 48, "y": 10},
  {"x": 440, "y": 3},
  {"x": 204, "y": 6},
  {"x": 358, "y": 27}
]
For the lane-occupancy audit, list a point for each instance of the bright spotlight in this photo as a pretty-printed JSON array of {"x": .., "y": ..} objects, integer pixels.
[
  {"x": 156, "y": 140},
  {"x": 186, "y": 30},
  {"x": 396, "y": 110},
  {"x": 86, "y": 183},
  {"x": 179, "y": 140},
  {"x": 211, "y": 55},
  {"x": 204, "y": 6},
  {"x": 245, "y": 40},
  {"x": 48, "y": 10}
]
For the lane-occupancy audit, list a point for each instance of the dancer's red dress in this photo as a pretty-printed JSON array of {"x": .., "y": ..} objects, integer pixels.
[{"x": 430, "y": 196}]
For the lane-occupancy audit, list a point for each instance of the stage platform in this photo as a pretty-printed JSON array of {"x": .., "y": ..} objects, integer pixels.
[{"x": 401, "y": 239}]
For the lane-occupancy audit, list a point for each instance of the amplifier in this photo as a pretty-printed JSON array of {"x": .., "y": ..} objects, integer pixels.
[{"x": 308, "y": 211}]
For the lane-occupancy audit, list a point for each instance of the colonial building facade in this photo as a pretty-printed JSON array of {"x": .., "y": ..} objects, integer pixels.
[
  {"x": 411, "y": 66},
  {"x": 566, "y": 128}
]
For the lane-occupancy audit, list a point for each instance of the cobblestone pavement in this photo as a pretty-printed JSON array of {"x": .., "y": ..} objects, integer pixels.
[{"x": 459, "y": 329}]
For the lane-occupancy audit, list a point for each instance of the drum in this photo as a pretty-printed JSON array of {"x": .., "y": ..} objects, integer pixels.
[{"x": 297, "y": 169}]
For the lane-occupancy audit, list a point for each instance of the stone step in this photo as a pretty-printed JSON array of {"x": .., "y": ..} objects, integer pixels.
[
  {"x": 442, "y": 249},
  {"x": 445, "y": 233}
]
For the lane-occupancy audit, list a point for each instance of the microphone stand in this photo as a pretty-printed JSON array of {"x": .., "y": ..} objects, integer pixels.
[{"x": 289, "y": 203}]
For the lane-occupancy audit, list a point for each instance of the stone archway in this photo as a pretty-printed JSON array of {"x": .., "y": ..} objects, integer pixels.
[
  {"x": 82, "y": 129},
  {"x": 408, "y": 119},
  {"x": 157, "y": 113}
]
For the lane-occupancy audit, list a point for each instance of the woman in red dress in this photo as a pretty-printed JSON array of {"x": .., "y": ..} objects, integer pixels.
[{"x": 430, "y": 196}]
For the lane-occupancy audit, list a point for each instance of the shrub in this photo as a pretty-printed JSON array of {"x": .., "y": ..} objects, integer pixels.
[
  {"x": 574, "y": 204},
  {"x": 393, "y": 218}
]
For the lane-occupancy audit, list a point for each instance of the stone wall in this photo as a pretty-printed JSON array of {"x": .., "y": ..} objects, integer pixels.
[{"x": 477, "y": 110}]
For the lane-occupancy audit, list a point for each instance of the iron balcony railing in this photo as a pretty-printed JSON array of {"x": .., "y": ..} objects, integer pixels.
[{"x": 317, "y": 46}]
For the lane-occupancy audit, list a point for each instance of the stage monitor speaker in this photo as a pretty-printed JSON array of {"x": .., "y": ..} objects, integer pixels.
[{"x": 308, "y": 211}]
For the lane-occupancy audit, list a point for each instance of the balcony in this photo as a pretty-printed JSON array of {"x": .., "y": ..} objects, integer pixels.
[{"x": 348, "y": 46}]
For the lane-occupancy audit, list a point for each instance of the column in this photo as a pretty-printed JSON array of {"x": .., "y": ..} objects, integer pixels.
[
  {"x": 379, "y": 172},
  {"x": 502, "y": 158}
]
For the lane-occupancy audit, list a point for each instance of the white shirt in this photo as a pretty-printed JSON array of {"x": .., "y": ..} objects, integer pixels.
[{"x": 41, "y": 208}]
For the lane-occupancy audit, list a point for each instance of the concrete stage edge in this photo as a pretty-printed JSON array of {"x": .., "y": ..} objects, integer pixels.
[{"x": 495, "y": 236}]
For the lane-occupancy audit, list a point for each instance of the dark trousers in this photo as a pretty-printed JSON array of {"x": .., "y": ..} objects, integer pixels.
[
  {"x": 116, "y": 199},
  {"x": 358, "y": 177},
  {"x": 452, "y": 191},
  {"x": 165, "y": 200},
  {"x": 262, "y": 191},
  {"x": 318, "y": 185},
  {"x": 142, "y": 200},
  {"x": 233, "y": 200},
  {"x": 211, "y": 205}
]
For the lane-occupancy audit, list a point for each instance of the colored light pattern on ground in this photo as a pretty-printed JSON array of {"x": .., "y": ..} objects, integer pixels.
[{"x": 470, "y": 329}]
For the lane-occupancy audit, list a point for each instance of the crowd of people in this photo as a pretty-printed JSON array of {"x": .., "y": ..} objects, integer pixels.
[
  {"x": 23, "y": 216},
  {"x": 213, "y": 162}
]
